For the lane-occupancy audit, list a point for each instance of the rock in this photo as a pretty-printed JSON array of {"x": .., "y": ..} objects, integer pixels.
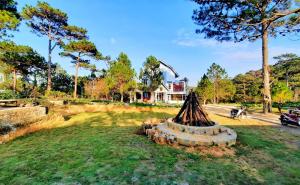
[{"x": 176, "y": 134}]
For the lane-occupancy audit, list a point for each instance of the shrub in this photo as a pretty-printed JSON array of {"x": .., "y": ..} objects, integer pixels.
[
  {"x": 55, "y": 95},
  {"x": 8, "y": 94}
]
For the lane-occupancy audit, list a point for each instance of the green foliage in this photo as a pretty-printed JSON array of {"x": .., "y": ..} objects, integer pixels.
[
  {"x": 216, "y": 72},
  {"x": 77, "y": 50},
  {"x": 248, "y": 87},
  {"x": 45, "y": 20},
  {"x": 21, "y": 58},
  {"x": 55, "y": 95},
  {"x": 287, "y": 69},
  {"x": 152, "y": 74},
  {"x": 121, "y": 76},
  {"x": 52, "y": 23},
  {"x": 205, "y": 89},
  {"x": 222, "y": 86},
  {"x": 244, "y": 20},
  {"x": 80, "y": 52},
  {"x": 226, "y": 90},
  {"x": 281, "y": 93},
  {"x": 62, "y": 81},
  {"x": 8, "y": 94},
  {"x": 9, "y": 17}
]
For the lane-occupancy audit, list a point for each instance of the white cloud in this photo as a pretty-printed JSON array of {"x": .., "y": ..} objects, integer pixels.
[{"x": 189, "y": 39}]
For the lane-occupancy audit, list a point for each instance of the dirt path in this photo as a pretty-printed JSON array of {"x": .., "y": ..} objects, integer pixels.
[{"x": 273, "y": 119}]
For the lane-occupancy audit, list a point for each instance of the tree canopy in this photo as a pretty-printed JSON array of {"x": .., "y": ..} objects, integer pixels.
[
  {"x": 80, "y": 52},
  {"x": 205, "y": 89},
  {"x": 9, "y": 17},
  {"x": 21, "y": 59},
  {"x": 45, "y": 20},
  {"x": 151, "y": 74},
  {"x": 238, "y": 20},
  {"x": 121, "y": 76}
]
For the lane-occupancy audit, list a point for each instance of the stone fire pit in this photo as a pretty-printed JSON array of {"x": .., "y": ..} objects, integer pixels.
[{"x": 191, "y": 127}]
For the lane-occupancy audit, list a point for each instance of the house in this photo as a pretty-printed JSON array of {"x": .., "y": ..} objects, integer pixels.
[{"x": 171, "y": 91}]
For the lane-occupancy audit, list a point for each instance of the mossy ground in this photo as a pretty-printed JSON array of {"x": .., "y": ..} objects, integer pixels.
[{"x": 103, "y": 148}]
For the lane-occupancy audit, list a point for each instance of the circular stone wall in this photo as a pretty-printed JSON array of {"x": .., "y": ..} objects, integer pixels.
[{"x": 174, "y": 133}]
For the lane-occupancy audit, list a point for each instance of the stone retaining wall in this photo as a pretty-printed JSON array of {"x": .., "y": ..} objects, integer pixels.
[{"x": 21, "y": 115}]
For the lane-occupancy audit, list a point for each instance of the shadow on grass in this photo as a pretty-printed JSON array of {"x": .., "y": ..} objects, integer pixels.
[{"x": 102, "y": 148}]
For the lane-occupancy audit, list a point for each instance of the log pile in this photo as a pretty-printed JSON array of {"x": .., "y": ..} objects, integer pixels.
[{"x": 192, "y": 114}]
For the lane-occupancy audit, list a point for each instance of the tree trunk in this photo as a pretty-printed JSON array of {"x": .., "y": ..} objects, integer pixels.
[
  {"x": 122, "y": 97},
  {"x": 244, "y": 91},
  {"x": 204, "y": 102},
  {"x": 267, "y": 100},
  {"x": 14, "y": 80},
  {"x": 287, "y": 77},
  {"x": 49, "y": 83},
  {"x": 75, "y": 81},
  {"x": 215, "y": 92}
]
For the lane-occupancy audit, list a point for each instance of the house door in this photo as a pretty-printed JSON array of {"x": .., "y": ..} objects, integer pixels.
[{"x": 160, "y": 96}]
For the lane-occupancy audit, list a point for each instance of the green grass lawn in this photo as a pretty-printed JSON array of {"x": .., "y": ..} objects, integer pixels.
[{"x": 103, "y": 148}]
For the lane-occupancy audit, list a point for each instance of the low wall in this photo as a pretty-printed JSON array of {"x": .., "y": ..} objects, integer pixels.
[{"x": 21, "y": 115}]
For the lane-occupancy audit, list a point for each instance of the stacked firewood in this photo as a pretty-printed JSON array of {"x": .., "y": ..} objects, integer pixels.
[{"x": 192, "y": 113}]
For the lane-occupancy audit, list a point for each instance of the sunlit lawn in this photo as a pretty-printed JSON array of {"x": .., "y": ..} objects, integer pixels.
[{"x": 103, "y": 148}]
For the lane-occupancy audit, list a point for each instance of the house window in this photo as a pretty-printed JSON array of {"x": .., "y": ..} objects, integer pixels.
[
  {"x": 170, "y": 86},
  {"x": 1, "y": 78},
  {"x": 178, "y": 87}
]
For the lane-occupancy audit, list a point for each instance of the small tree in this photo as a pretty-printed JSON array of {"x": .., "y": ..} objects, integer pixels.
[
  {"x": 216, "y": 73},
  {"x": 205, "y": 89},
  {"x": 151, "y": 74},
  {"x": 248, "y": 20},
  {"x": 226, "y": 90},
  {"x": 120, "y": 76},
  {"x": 287, "y": 68},
  {"x": 80, "y": 52},
  {"x": 281, "y": 93},
  {"x": 246, "y": 87},
  {"x": 97, "y": 88},
  {"x": 45, "y": 20},
  {"x": 9, "y": 17},
  {"x": 21, "y": 59},
  {"x": 62, "y": 81}
]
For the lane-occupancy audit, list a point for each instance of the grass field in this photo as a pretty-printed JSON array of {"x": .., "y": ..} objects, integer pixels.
[{"x": 102, "y": 147}]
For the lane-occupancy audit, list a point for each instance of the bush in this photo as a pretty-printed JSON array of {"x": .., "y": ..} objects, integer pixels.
[
  {"x": 8, "y": 94},
  {"x": 55, "y": 95}
]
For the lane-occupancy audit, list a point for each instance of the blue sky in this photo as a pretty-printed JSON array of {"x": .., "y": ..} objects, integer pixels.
[{"x": 162, "y": 28}]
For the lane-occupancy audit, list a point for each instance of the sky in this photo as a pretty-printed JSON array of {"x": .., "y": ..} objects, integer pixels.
[{"x": 163, "y": 28}]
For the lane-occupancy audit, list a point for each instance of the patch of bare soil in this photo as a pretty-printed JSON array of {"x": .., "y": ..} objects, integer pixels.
[{"x": 214, "y": 151}]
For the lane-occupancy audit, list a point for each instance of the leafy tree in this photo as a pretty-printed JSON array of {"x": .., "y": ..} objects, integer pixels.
[
  {"x": 120, "y": 75},
  {"x": 281, "y": 93},
  {"x": 45, "y": 20},
  {"x": 216, "y": 73},
  {"x": 80, "y": 52},
  {"x": 9, "y": 17},
  {"x": 205, "y": 89},
  {"x": 226, "y": 90},
  {"x": 248, "y": 20},
  {"x": 62, "y": 81},
  {"x": 288, "y": 68},
  {"x": 151, "y": 74},
  {"x": 248, "y": 87},
  {"x": 21, "y": 59},
  {"x": 97, "y": 88}
]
